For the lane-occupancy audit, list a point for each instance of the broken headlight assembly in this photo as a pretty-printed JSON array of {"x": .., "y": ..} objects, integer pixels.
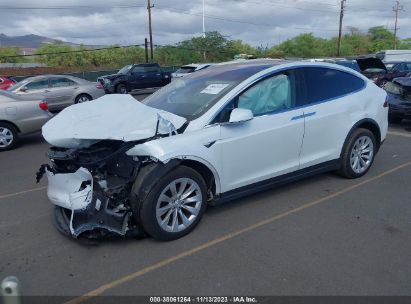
[{"x": 91, "y": 188}]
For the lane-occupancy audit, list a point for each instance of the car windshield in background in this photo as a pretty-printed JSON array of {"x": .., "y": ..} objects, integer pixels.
[
  {"x": 125, "y": 69},
  {"x": 18, "y": 85},
  {"x": 185, "y": 70},
  {"x": 191, "y": 97}
]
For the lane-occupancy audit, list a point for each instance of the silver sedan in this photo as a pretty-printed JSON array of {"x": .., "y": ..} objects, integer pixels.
[
  {"x": 20, "y": 115},
  {"x": 60, "y": 91}
]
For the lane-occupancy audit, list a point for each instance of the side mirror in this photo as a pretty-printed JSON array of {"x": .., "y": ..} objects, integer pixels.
[
  {"x": 23, "y": 89},
  {"x": 239, "y": 115}
]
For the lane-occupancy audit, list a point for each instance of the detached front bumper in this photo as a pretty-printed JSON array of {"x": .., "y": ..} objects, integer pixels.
[{"x": 87, "y": 202}]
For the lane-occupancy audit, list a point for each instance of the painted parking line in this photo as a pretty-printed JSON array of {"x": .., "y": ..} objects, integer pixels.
[
  {"x": 182, "y": 255},
  {"x": 21, "y": 192},
  {"x": 399, "y": 133}
]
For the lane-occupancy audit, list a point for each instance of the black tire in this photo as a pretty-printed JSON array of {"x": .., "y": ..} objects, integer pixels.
[
  {"x": 9, "y": 129},
  {"x": 82, "y": 98},
  {"x": 121, "y": 89},
  {"x": 394, "y": 119},
  {"x": 346, "y": 169},
  {"x": 148, "y": 218}
]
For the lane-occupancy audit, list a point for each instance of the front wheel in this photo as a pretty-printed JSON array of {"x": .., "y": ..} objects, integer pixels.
[
  {"x": 174, "y": 205},
  {"x": 8, "y": 136},
  {"x": 82, "y": 98},
  {"x": 358, "y": 154},
  {"x": 121, "y": 89}
]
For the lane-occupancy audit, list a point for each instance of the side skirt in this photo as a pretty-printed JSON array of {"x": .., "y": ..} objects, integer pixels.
[{"x": 276, "y": 181}]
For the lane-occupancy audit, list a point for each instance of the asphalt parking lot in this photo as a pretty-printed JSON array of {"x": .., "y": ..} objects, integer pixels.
[{"x": 321, "y": 236}]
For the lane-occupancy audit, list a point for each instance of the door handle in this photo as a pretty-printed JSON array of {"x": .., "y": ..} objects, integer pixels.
[
  {"x": 303, "y": 116},
  {"x": 46, "y": 91}
]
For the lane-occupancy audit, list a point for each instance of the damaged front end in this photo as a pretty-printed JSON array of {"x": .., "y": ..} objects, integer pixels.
[{"x": 91, "y": 187}]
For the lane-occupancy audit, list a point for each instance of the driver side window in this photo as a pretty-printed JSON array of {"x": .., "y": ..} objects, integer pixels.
[{"x": 269, "y": 95}]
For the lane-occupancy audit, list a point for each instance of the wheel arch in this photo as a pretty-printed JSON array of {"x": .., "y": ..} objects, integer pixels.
[
  {"x": 368, "y": 124},
  {"x": 11, "y": 123}
]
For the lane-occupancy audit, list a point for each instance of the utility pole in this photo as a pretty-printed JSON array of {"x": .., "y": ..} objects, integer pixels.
[
  {"x": 149, "y": 7},
  {"x": 146, "y": 49},
  {"x": 340, "y": 29},
  {"x": 204, "y": 33},
  {"x": 396, "y": 9}
]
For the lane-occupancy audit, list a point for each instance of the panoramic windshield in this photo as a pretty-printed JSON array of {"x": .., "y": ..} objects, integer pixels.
[
  {"x": 125, "y": 69},
  {"x": 192, "y": 96}
]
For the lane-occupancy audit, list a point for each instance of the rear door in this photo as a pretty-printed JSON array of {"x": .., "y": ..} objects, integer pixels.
[
  {"x": 137, "y": 78},
  {"x": 154, "y": 76},
  {"x": 61, "y": 93},
  {"x": 328, "y": 105}
]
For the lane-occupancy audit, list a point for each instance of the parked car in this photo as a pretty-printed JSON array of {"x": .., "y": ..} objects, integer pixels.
[
  {"x": 370, "y": 67},
  {"x": 398, "y": 69},
  {"x": 60, "y": 90},
  {"x": 228, "y": 131},
  {"x": 394, "y": 55},
  {"x": 6, "y": 82},
  {"x": 135, "y": 77},
  {"x": 20, "y": 115},
  {"x": 399, "y": 99},
  {"x": 189, "y": 68}
]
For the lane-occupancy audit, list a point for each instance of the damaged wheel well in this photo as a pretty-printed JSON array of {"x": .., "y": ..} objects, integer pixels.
[{"x": 205, "y": 172}]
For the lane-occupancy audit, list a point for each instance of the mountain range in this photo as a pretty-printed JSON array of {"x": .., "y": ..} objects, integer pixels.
[{"x": 28, "y": 41}]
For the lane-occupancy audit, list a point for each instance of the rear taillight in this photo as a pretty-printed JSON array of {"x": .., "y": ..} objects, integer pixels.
[
  {"x": 386, "y": 102},
  {"x": 99, "y": 86},
  {"x": 44, "y": 106}
]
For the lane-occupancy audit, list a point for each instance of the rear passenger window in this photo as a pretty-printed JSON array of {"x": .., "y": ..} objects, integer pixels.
[{"x": 323, "y": 84}]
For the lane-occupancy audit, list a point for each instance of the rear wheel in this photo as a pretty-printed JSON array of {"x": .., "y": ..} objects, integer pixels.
[
  {"x": 174, "y": 205},
  {"x": 358, "y": 154},
  {"x": 8, "y": 136}
]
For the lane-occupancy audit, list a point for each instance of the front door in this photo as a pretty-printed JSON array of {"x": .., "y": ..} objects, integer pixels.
[{"x": 268, "y": 145}]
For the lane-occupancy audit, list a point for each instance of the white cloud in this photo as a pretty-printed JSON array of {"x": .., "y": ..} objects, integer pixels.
[{"x": 258, "y": 22}]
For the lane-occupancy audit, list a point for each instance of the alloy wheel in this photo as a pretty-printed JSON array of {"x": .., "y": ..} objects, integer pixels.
[
  {"x": 178, "y": 205},
  {"x": 361, "y": 154},
  {"x": 6, "y": 137}
]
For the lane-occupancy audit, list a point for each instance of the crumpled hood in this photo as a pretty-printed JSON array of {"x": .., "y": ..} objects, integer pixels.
[
  {"x": 113, "y": 117},
  {"x": 111, "y": 76}
]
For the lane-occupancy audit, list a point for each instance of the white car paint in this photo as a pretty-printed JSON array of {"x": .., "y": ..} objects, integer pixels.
[
  {"x": 238, "y": 154},
  {"x": 84, "y": 123}
]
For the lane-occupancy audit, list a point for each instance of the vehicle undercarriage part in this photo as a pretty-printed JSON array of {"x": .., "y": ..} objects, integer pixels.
[{"x": 91, "y": 186}]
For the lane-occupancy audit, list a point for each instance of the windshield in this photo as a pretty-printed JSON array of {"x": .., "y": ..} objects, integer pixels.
[
  {"x": 18, "y": 85},
  {"x": 194, "y": 95},
  {"x": 8, "y": 95},
  {"x": 125, "y": 69}
]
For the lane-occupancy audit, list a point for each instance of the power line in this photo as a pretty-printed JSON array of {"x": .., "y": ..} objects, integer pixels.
[
  {"x": 182, "y": 11},
  {"x": 73, "y": 51}
]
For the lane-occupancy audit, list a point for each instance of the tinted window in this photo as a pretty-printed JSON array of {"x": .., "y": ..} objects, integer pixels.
[
  {"x": 151, "y": 69},
  {"x": 61, "y": 82},
  {"x": 323, "y": 84},
  {"x": 267, "y": 96},
  {"x": 37, "y": 84},
  {"x": 137, "y": 70}
]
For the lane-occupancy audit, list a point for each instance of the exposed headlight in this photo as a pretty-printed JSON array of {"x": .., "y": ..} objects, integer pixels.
[{"x": 106, "y": 80}]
